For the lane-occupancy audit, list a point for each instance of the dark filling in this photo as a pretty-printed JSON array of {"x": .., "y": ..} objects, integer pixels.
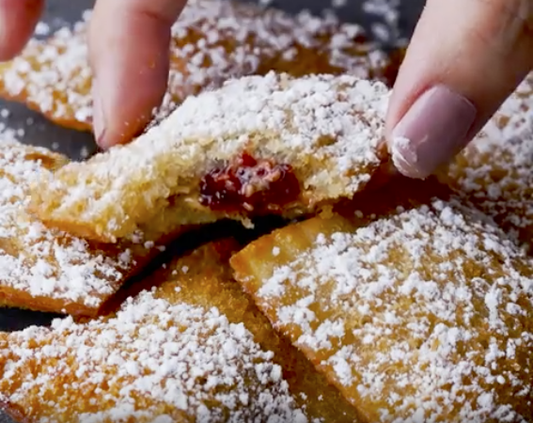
[{"x": 249, "y": 185}]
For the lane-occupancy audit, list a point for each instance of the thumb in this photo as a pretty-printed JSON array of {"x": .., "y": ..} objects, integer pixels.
[{"x": 465, "y": 58}]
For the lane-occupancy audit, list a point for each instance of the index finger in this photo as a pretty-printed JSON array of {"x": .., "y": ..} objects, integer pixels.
[
  {"x": 129, "y": 50},
  {"x": 17, "y": 22}
]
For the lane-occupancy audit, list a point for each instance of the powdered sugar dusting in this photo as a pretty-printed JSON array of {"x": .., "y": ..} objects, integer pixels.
[
  {"x": 40, "y": 262},
  {"x": 421, "y": 315},
  {"x": 403, "y": 155},
  {"x": 495, "y": 169},
  {"x": 213, "y": 40},
  {"x": 328, "y": 128},
  {"x": 514, "y": 118},
  {"x": 387, "y": 29},
  {"x": 53, "y": 75},
  {"x": 157, "y": 360}
]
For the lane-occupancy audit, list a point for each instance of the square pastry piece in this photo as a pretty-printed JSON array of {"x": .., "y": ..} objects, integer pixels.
[
  {"x": 420, "y": 314},
  {"x": 192, "y": 349},
  {"x": 260, "y": 145},
  {"x": 496, "y": 171},
  {"x": 212, "y": 41},
  {"x": 48, "y": 270}
]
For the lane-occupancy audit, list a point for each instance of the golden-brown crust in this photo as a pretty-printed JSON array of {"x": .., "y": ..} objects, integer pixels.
[
  {"x": 494, "y": 171},
  {"x": 211, "y": 42},
  {"x": 326, "y": 130},
  {"x": 48, "y": 270},
  {"x": 395, "y": 308},
  {"x": 201, "y": 280}
]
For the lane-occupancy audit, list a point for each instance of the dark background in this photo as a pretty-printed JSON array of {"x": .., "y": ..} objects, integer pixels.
[{"x": 38, "y": 131}]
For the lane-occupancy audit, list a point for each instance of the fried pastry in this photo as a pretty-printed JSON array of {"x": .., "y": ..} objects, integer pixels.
[
  {"x": 212, "y": 41},
  {"x": 257, "y": 146},
  {"x": 48, "y": 270},
  {"x": 194, "y": 348},
  {"x": 421, "y": 314},
  {"x": 495, "y": 170}
]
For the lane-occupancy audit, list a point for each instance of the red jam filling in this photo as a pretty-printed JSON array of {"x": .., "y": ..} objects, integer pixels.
[{"x": 249, "y": 185}]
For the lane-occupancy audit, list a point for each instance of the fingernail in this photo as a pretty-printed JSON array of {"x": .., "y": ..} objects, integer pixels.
[
  {"x": 98, "y": 117},
  {"x": 432, "y": 132}
]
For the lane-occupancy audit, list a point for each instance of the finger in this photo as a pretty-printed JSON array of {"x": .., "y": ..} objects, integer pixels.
[
  {"x": 465, "y": 58},
  {"x": 17, "y": 23},
  {"x": 129, "y": 49}
]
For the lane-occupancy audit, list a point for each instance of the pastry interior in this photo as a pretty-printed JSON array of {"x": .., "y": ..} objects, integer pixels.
[{"x": 260, "y": 145}]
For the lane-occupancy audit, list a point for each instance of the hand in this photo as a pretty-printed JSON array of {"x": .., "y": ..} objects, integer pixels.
[
  {"x": 129, "y": 45},
  {"x": 129, "y": 49},
  {"x": 465, "y": 58}
]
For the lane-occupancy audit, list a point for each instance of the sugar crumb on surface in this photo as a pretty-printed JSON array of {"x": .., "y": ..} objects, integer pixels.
[
  {"x": 42, "y": 29},
  {"x": 421, "y": 315}
]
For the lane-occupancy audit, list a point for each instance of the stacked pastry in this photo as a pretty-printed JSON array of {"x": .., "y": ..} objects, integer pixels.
[
  {"x": 385, "y": 301},
  {"x": 212, "y": 41}
]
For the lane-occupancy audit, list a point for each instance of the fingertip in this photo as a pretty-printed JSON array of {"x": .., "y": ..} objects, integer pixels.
[
  {"x": 131, "y": 81},
  {"x": 18, "y": 19},
  {"x": 453, "y": 78},
  {"x": 130, "y": 59}
]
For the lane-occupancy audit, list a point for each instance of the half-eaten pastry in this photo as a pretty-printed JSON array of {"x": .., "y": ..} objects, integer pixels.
[
  {"x": 421, "y": 314},
  {"x": 257, "y": 146},
  {"x": 212, "y": 41},
  {"x": 192, "y": 349},
  {"x": 48, "y": 270}
]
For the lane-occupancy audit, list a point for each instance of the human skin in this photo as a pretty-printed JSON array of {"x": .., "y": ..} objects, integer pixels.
[{"x": 465, "y": 58}]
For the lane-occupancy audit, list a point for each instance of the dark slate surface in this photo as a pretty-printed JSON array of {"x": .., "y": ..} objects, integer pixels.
[{"x": 41, "y": 132}]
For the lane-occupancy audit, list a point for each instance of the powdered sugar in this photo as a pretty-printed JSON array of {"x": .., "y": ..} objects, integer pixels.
[
  {"x": 402, "y": 150},
  {"x": 40, "y": 262},
  {"x": 420, "y": 315},
  {"x": 495, "y": 169},
  {"x": 387, "y": 29},
  {"x": 53, "y": 75},
  {"x": 212, "y": 41},
  {"x": 327, "y": 128},
  {"x": 157, "y": 359},
  {"x": 514, "y": 118}
]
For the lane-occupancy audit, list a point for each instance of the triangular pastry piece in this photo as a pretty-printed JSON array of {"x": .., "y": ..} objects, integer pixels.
[
  {"x": 421, "y": 314},
  {"x": 212, "y": 41},
  {"x": 48, "y": 270},
  {"x": 193, "y": 349},
  {"x": 495, "y": 170},
  {"x": 257, "y": 146}
]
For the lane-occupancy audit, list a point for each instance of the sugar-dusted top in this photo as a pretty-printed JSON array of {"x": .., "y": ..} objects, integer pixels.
[
  {"x": 327, "y": 128},
  {"x": 40, "y": 262},
  {"x": 157, "y": 360},
  {"x": 496, "y": 170},
  {"x": 237, "y": 39},
  {"x": 421, "y": 315},
  {"x": 212, "y": 41},
  {"x": 514, "y": 118},
  {"x": 53, "y": 75}
]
